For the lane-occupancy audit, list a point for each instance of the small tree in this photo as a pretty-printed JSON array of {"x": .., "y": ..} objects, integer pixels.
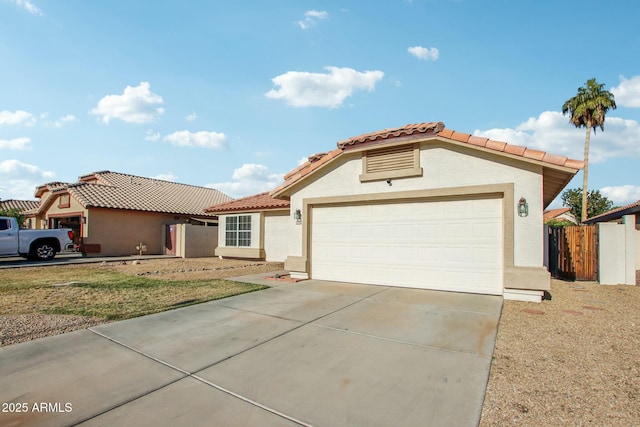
[{"x": 596, "y": 203}]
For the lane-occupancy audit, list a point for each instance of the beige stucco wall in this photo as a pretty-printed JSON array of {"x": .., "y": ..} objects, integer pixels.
[
  {"x": 196, "y": 241},
  {"x": 277, "y": 230},
  {"x": 118, "y": 232},
  {"x": 442, "y": 168},
  {"x": 637, "y": 237}
]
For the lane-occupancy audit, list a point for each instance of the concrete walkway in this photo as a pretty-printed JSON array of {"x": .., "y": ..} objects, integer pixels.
[{"x": 310, "y": 353}]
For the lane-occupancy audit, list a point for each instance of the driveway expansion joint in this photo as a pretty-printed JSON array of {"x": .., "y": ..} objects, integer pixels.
[{"x": 198, "y": 378}]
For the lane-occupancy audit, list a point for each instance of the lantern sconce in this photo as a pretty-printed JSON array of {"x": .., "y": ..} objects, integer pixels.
[
  {"x": 523, "y": 207},
  {"x": 298, "y": 216}
]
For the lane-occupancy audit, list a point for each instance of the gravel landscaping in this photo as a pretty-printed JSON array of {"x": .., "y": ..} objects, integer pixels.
[{"x": 571, "y": 360}]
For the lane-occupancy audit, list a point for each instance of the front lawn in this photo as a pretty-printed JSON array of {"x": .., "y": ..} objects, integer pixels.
[{"x": 103, "y": 293}]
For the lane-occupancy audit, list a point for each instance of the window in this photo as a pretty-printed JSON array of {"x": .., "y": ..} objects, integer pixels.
[
  {"x": 399, "y": 161},
  {"x": 5, "y": 224},
  {"x": 238, "y": 231},
  {"x": 64, "y": 201}
]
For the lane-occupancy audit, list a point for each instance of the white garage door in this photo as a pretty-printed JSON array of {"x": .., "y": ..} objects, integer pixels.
[{"x": 452, "y": 245}]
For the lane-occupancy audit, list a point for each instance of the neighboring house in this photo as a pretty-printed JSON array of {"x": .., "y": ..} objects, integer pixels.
[
  {"x": 253, "y": 227},
  {"x": 19, "y": 205},
  {"x": 615, "y": 215},
  {"x": 560, "y": 214},
  {"x": 419, "y": 206},
  {"x": 112, "y": 213}
]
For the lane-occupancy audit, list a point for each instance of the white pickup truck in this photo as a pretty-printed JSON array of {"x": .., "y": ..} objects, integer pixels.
[{"x": 33, "y": 244}]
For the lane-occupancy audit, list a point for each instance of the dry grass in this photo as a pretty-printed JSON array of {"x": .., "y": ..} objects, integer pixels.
[
  {"x": 577, "y": 363},
  {"x": 115, "y": 292}
]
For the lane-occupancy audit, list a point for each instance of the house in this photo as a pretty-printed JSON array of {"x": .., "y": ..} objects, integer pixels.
[
  {"x": 615, "y": 215},
  {"x": 416, "y": 206},
  {"x": 19, "y": 205},
  {"x": 114, "y": 213},
  {"x": 560, "y": 214}
]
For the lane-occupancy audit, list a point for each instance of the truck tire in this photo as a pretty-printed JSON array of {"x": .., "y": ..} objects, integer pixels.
[{"x": 42, "y": 251}]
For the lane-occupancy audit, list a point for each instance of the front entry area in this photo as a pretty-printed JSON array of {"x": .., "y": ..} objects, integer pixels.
[{"x": 453, "y": 245}]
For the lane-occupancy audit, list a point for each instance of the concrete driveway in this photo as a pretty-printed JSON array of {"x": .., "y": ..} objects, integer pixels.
[{"x": 312, "y": 353}]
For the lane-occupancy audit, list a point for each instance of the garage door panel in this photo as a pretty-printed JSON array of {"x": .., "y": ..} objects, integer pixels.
[{"x": 453, "y": 245}]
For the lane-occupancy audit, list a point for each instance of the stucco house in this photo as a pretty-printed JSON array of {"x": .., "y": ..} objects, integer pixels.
[
  {"x": 559, "y": 214},
  {"x": 112, "y": 213},
  {"x": 418, "y": 206},
  {"x": 19, "y": 205},
  {"x": 615, "y": 215}
]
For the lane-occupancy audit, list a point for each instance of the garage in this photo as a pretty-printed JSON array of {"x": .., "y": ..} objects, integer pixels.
[{"x": 453, "y": 245}]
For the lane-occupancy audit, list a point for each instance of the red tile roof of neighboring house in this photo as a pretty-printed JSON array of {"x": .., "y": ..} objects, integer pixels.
[
  {"x": 420, "y": 131},
  {"x": 616, "y": 213},
  {"x": 552, "y": 213},
  {"x": 259, "y": 202},
  {"x": 106, "y": 189},
  {"x": 21, "y": 205}
]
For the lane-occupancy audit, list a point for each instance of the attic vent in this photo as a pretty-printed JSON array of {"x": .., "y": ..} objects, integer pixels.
[{"x": 399, "y": 161}]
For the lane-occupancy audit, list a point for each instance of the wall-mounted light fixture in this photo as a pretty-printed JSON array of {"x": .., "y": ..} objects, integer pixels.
[
  {"x": 298, "y": 216},
  {"x": 389, "y": 182},
  {"x": 523, "y": 207}
]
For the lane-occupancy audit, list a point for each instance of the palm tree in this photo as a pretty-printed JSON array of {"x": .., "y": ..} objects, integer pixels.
[{"x": 588, "y": 109}]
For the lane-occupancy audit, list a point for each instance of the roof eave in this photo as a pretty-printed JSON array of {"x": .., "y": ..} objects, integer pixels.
[{"x": 251, "y": 210}]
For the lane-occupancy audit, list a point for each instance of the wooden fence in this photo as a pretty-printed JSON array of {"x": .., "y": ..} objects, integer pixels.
[{"x": 573, "y": 252}]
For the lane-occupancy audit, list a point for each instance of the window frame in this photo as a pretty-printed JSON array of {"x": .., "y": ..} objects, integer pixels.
[
  {"x": 238, "y": 231},
  {"x": 64, "y": 201}
]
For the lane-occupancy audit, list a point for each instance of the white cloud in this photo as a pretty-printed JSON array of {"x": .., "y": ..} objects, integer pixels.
[
  {"x": 622, "y": 195},
  {"x": 28, "y": 6},
  {"x": 166, "y": 177},
  {"x": 311, "y": 18},
  {"x": 249, "y": 179},
  {"x": 191, "y": 117},
  {"x": 135, "y": 105},
  {"x": 425, "y": 53},
  {"x": 552, "y": 132},
  {"x": 14, "y": 144},
  {"x": 184, "y": 138},
  {"x": 627, "y": 93},
  {"x": 19, "y": 180},
  {"x": 19, "y": 117},
  {"x": 152, "y": 136},
  {"x": 69, "y": 118},
  {"x": 304, "y": 89}
]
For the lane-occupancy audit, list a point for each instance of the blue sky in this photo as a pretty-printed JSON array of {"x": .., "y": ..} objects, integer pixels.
[{"x": 234, "y": 94}]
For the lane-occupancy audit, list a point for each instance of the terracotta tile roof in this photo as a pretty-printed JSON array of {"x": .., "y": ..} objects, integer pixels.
[
  {"x": 616, "y": 213},
  {"x": 21, "y": 205},
  {"x": 306, "y": 168},
  {"x": 420, "y": 131},
  {"x": 553, "y": 213},
  {"x": 259, "y": 202},
  {"x": 122, "y": 191}
]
